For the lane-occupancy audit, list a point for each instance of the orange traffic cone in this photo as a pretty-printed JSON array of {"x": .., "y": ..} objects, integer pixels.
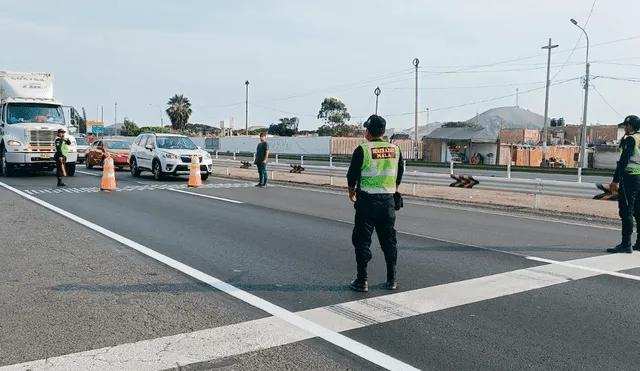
[
  {"x": 194, "y": 175},
  {"x": 108, "y": 175}
]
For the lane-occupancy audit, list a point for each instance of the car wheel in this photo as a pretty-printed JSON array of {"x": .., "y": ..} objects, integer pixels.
[
  {"x": 157, "y": 170},
  {"x": 134, "y": 168},
  {"x": 204, "y": 176}
]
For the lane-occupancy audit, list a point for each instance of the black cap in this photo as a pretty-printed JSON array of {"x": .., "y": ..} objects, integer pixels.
[
  {"x": 632, "y": 120},
  {"x": 62, "y": 130},
  {"x": 375, "y": 124}
]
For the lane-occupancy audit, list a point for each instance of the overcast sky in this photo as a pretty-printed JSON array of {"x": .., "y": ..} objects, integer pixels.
[{"x": 297, "y": 52}]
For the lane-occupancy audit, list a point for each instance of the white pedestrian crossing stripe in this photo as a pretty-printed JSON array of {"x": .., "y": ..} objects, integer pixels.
[{"x": 145, "y": 187}]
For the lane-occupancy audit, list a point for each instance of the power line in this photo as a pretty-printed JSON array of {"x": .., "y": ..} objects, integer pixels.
[
  {"x": 469, "y": 87},
  {"x": 577, "y": 43},
  {"x": 485, "y": 100},
  {"x": 613, "y": 109}
]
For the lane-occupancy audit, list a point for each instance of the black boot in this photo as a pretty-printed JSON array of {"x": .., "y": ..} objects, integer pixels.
[
  {"x": 360, "y": 283},
  {"x": 624, "y": 247},
  {"x": 392, "y": 282}
]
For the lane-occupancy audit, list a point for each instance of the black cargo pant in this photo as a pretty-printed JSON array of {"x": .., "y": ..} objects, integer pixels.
[
  {"x": 375, "y": 211},
  {"x": 60, "y": 161},
  {"x": 628, "y": 205}
]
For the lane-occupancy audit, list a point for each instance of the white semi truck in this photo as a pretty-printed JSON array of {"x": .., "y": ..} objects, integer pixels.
[{"x": 29, "y": 120}]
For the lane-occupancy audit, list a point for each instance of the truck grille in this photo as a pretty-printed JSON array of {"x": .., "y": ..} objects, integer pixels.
[
  {"x": 42, "y": 137},
  {"x": 187, "y": 159}
]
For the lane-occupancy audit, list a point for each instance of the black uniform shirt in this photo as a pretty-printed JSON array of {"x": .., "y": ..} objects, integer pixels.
[
  {"x": 628, "y": 146},
  {"x": 355, "y": 167}
]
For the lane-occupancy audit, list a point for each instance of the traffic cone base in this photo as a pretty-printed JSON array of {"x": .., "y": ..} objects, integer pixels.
[
  {"x": 194, "y": 174},
  {"x": 108, "y": 175}
]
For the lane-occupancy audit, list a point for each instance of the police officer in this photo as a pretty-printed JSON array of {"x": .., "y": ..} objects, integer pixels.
[
  {"x": 376, "y": 169},
  {"x": 626, "y": 181},
  {"x": 62, "y": 150}
]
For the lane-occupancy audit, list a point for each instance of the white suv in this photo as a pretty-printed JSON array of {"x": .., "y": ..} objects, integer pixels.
[{"x": 166, "y": 154}]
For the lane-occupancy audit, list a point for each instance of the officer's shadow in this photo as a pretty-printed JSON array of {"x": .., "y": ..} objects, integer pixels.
[{"x": 529, "y": 248}]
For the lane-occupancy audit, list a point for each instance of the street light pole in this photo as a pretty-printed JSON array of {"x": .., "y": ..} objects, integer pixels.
[
  {"x": 246, "y": 103},
  {"x": 546, "y": 103},
  {"x": 377, "y": 93},
  {"x": 416, "y": 62},
  {"x": 583, "y": 146}
]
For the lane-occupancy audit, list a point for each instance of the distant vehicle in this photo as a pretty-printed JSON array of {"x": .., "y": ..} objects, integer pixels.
[
  {"x": 83, "y": 146},
  {"x": 117, "y": 149},
  {"x": 167, "y": 154},
  {"x": 29, "y": 120}
]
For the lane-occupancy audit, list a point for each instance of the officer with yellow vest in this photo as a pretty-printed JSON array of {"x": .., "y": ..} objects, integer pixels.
[
  {"x": 374, "y": 175},
  {"x": 62, "y": 151},
  {"x": 626, "y": 181}
]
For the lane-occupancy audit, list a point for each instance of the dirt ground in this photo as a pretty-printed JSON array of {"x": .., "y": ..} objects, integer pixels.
[{"x": 554, "y": 204}]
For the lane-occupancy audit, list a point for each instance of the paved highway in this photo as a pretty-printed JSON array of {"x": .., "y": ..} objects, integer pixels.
[
  {"x": 460, "y": 171},
  {"x": 477, "y": 291}
]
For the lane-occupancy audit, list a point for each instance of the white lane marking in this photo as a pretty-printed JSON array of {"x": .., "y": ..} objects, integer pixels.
[
  {"x": 344, "y": 342},
  {"x": 462, "y": 208},
  {"x": 595, "y": 270},
  {"x": 367, "y": 312},
  {"x": 220, "y": 342},
  {"x": 178, "y": 350},
  {"x": 205, "y": 196},
  {"x": 88, "y": 173}
]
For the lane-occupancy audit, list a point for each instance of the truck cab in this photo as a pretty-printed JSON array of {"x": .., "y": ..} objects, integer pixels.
[{"x": 29, "y": 121}]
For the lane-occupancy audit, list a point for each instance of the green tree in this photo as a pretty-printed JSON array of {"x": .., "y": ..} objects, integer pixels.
[
  {"x": 130, "y": 127},
  {"x": 179, "y": 111},
  {"x": 287, "y": 127},
  {"x": 334, "y": 112}
]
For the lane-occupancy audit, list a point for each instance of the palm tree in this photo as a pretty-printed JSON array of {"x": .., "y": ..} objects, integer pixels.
[{"x": 179, "y": 111}]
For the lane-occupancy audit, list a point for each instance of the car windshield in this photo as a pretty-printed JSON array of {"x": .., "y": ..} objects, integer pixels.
[
  {"x": 82, "y": 142},
  {"x": 117, "y": 145},
  {"x": 41, "y": 113},
  {"x": 176, "y": 143}
]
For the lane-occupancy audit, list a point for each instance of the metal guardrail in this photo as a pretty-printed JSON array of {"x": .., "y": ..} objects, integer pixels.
[{"x": 535, "y": 187}]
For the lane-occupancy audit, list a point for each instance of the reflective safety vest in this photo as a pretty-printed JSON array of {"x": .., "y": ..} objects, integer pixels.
[
  {"x": 64, "y": 149},
  {"x": 634, "y": 162},
  {"x": 379, "y": 167}
]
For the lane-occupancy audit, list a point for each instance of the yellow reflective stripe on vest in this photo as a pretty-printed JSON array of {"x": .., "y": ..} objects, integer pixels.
[
  {"x": 634, "y": 161},
  {"x": 379, "y": 167},
  {"x": 64, "y": 148}
]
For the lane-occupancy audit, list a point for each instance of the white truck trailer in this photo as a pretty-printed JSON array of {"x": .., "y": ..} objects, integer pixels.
[{"x": 29, "y": 120}]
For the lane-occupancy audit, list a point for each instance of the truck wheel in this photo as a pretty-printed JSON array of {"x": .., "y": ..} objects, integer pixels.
[
  {"x": 7, "y": 170},
  {"x": 204, "y": 176},
  {"x": 71, "y": 168}
]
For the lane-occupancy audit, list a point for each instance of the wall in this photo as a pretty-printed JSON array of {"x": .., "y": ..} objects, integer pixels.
[
  {"x": 346, "y": 146},
  {"x": 431, "y": 150},
  {"x": 484, "y": 149},
  {"x": 515, "y": 136},
  {"x": 609, "y": 133},
  {"x": 319, "y": 146},
  {"x": 532, "y": 156}
]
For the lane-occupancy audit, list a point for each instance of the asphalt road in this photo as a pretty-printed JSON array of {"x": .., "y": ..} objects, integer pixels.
[
  {"x": 461, "y": 171},
  {"x": 477, "y": 290}
]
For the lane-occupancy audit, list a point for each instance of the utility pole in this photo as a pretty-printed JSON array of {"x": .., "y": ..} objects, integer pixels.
[
  {"x": 115, "y": 121},
  {"x": 246, "y": 103},
  {"x": 416, "y": 62},
  {"x": 377, "y": 93},
  {"x": 102, "y": 118},
  {"x": 427, "y": 117},
  {"x": 518, "y": 96},
  {"x": 546, "y": 103},
  {"x": 583, "y": 146}
]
